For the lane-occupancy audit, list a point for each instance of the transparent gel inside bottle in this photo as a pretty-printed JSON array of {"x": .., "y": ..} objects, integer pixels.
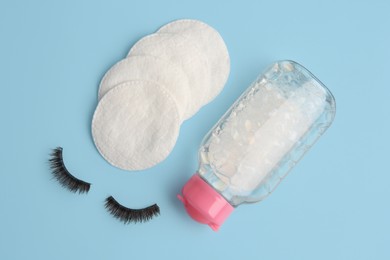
[{"x": 260, "y": 138}]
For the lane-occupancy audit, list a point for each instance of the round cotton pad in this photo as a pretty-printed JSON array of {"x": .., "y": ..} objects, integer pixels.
[
  {"x": 211, "y": 44},
  {"x": 136, "y": 125},
  {"x": 149, "y": 68},
  {"x": 184, "y": 53}
]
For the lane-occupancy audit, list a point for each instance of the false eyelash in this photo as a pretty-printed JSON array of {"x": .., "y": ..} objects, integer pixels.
[
  {"x": 63, "y": 176},
  {"x": 127, "y": 215}
]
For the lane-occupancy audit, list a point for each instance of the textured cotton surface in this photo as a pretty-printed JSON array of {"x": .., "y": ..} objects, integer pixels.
[
  {"x": 149, "y": 68},
  {"x": 136, "y": 125},
  {"x": 211, "y": 44},
  {"x": 183, "y": 52}
]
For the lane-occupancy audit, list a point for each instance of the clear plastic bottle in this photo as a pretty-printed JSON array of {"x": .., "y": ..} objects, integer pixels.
[{"x": 257, "y": 142}]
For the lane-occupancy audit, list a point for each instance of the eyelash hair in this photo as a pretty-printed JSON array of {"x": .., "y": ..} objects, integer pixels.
[
  {"x": 128, "y": 215},
  {"x": 63, "y": 176}
]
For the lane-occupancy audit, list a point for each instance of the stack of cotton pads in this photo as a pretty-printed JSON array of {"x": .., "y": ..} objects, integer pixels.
[{"x": 165, "y": 79}]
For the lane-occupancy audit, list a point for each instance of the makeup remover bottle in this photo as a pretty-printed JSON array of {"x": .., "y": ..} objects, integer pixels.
[{"x": 258, "y": 141}]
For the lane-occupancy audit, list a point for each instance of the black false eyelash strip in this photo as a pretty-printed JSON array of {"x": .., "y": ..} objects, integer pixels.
[
  {"x": 63, "y": 176},
  {"x": 127, "y": 215}
]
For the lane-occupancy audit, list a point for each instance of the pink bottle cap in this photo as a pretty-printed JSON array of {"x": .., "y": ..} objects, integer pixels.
[{"x": 204, "y": 204}]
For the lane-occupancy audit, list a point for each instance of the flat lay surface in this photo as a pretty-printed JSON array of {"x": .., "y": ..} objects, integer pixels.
[{"x": 334, "y": 204}]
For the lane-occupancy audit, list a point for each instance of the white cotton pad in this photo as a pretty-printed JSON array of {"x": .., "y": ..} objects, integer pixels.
[
  {"x": 149, "y": 68},
  {"x": 184, "y": 53},
  {"x": 211, "y": 44},
  {"x": 136, "y": 125}
]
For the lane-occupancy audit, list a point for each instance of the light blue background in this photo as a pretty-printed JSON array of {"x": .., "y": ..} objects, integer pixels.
[{"x": 333, "y": 205}]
